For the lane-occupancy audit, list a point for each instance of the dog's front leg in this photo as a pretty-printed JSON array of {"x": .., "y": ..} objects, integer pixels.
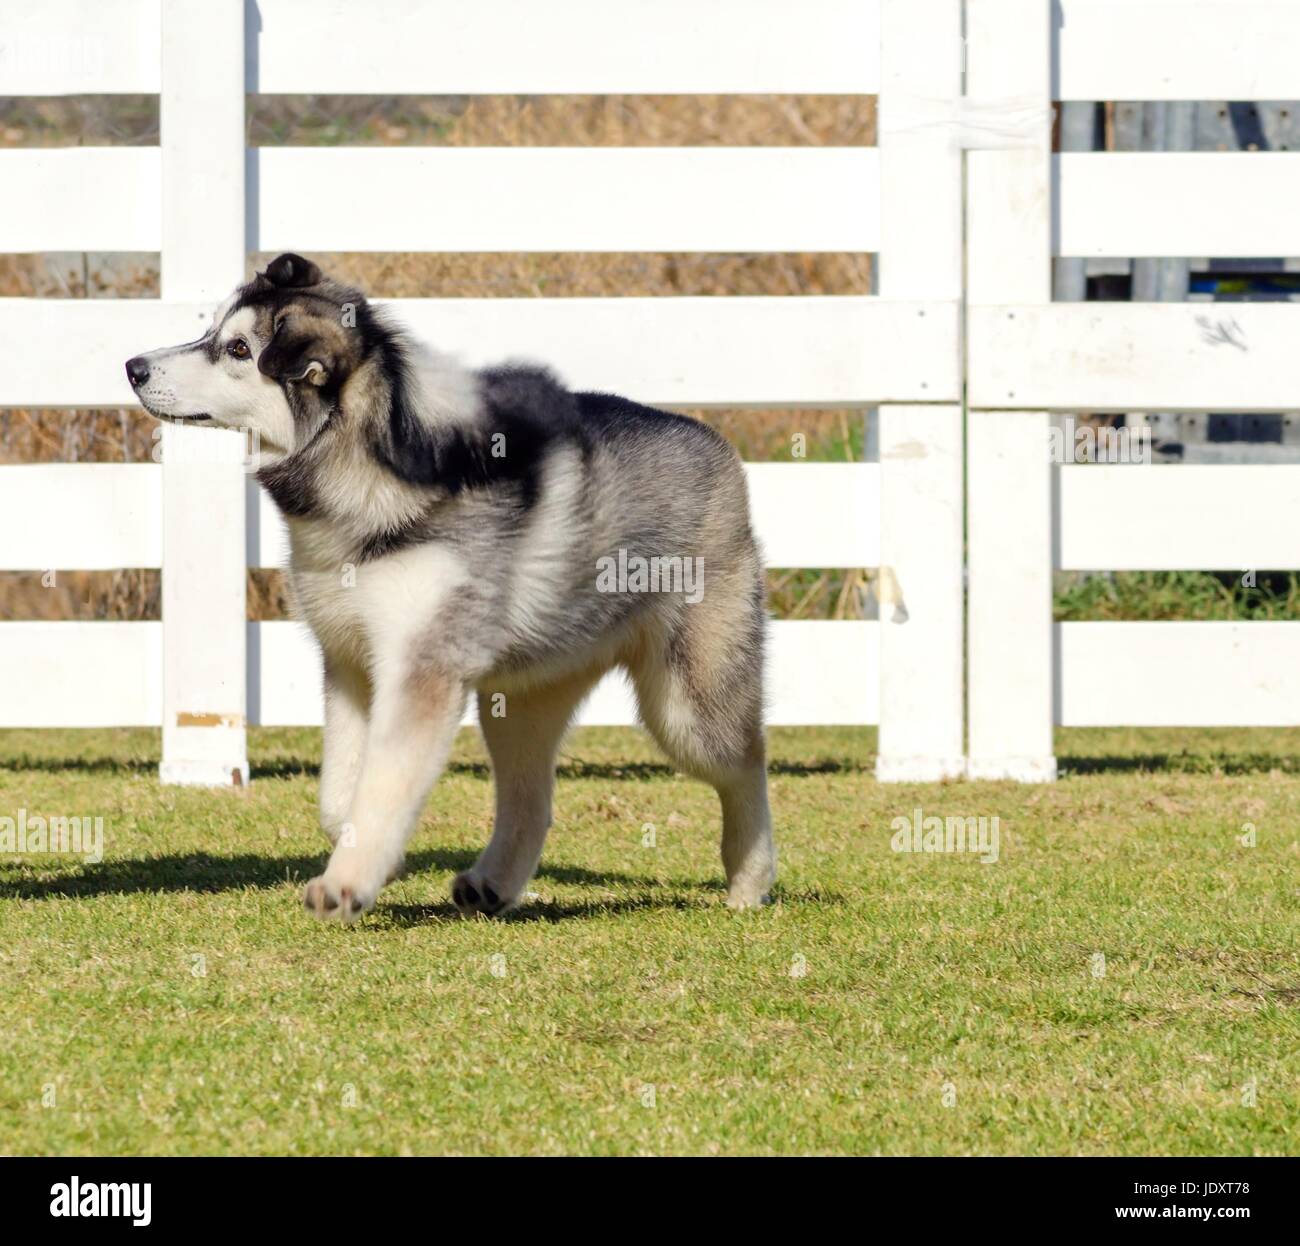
[
  {"x": 413, "y": 720},
  {"x": 347, "y": 721}
]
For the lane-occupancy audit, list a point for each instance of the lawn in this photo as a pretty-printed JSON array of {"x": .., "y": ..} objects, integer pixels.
[{"x": 1124, "y": 979}]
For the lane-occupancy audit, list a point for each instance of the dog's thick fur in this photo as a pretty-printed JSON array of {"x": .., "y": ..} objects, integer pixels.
[{"x": 446, "y": 528}]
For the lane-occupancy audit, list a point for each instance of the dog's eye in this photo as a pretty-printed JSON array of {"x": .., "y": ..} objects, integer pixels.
[{"x": 238, "y": 348}]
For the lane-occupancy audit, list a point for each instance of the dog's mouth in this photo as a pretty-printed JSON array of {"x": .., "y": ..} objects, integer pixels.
[{"x": 170, "y": 417}]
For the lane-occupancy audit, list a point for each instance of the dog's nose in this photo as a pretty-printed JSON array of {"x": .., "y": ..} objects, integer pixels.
[{"x": 137, "y": 371}]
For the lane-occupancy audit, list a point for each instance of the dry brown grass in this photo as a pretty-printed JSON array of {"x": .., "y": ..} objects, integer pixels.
[{"x": 468, "y": 121}]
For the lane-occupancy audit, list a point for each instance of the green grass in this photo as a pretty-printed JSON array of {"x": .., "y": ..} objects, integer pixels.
[
  {"x": 177, "y": 999},
  {"x": 1183, "y": 595}
]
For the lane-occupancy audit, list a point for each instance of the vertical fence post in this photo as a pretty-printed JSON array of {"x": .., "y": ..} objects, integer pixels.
[
  {"x": 921, "y": 446},
  {"x": 202, "y": 138},
  {"x": 1009, "y": 474}
]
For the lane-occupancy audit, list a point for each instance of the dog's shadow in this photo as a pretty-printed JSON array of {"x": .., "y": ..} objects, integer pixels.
[
  {"x": 205, "y": 874},
  {"x": 200, "y": 872},
  {"x": 404, "y": 916}
]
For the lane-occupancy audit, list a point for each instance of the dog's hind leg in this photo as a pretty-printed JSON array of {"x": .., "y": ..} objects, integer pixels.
[
  {"x": 748, "y": 852},
  {"x": 701, "y": 697},
  {"x": 413, "y": 719},
  {"x": 347, "y": 719},
  {"x": 523, "y": 731}
]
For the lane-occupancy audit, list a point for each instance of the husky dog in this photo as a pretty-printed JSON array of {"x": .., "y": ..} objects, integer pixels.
[{"x": 453, "y": 530}]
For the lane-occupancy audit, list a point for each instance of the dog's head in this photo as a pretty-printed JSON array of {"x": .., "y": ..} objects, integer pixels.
[{"x": 278, "y": 352}]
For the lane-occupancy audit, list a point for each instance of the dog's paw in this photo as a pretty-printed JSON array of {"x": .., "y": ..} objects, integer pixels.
[
  {"x": 741, "y": 898},
  {"x": 472, "y": 893},
  {"x": 330, "y": 901}
]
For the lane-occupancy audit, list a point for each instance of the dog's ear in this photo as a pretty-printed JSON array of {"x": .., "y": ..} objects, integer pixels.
[
  {"x": 297, "y": 353},
  {"x": 292, "y": 272}
]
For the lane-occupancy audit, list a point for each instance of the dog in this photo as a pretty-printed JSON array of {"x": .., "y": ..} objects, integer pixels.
[{"x": 455, "y": 530}]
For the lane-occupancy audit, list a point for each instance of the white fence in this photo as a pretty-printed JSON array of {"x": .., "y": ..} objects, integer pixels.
[
  {"x": 203, "y": 201},
  {"x": 1027, "y": 356}
]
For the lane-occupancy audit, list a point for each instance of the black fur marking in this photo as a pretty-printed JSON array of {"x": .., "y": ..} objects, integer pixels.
[
  {"x": 288, "y": 354},
  {"x": 525, "y": 410},
  {"x": 613, "y": 412},
  {"x": 291, "y": 484},
  {"x": 526, "y": 413},
  {"x": 389, "y": 542},
  {"x": 292, "y": 272},
  {"x": 327, "y": 301}
]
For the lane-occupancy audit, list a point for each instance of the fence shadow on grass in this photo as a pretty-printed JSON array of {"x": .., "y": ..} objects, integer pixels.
[
  {"x": 632, "y": 770},
  {"x": 80, "y": 765},
  {"x": 1069, "y": 763},
  {"x": 1179, "y": 763},
  {"x": 294, "y": 768}
]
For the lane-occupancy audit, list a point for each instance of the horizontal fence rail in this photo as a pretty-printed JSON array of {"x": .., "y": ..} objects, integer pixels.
[
  {"x": 106, "y": 674},
  {"x": 577, "y": 199},
  {"x": 80, "y": 516},
  {"x": 1107, "y": 49},
  {"x": 469, "y": 199},
  {"x": 712, "y": 199},
  {"x": 49, "y": 209},
  {"x": 1224, "y": 204},
  {"x": 66, "y": 674},
  {"x": 805, "y": 515},
  {"x": 1175, "y": 49},
  {"x": 1185, "y": 518},
  {"x": 1178, "y": 674},
  {"x": 836, "y": 351},
  {"x": 73, "y": 674},
  {"x": 285, "y": 687},
  {"x": 656, "y": 47},
  {"x": 101, "y": 516},
  {"x": 1135, "y": 357}
]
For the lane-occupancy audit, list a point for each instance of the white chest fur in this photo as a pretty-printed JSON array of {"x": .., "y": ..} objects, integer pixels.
[{"x": 363, "y": 612}]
